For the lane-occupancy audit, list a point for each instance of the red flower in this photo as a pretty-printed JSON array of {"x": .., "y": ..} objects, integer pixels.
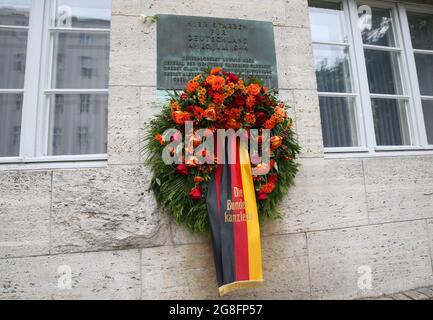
[
  {"x": 232, "y": 78},
  {"x": 271, "y": 164},
  {"x": 268, "y": 188},
  {"x": 273, "y": 178},
  {"x": 239, "y": 101},
  {"x": 198, "y": 113},
  {"x": 261, "y": 117},
  {"x": 196, "y": 194},
  {"x": 184, "y": 96},
  {"x": 262, "y": 196},
  {"x": 182, "y": 169},
  {"x": 190, "y": 109},
  {"x": 218, "y": 98}
]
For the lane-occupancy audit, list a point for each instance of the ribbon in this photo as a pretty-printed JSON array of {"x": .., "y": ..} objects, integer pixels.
[{"x": 232, "y": 210}]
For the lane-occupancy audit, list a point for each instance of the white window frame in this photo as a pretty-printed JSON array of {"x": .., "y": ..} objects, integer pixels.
[
  {"x": 37, "y": 87},
  {"x": 361, "y": 91}
]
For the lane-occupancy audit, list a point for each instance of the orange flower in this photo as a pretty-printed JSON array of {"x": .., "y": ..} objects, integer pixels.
[
  {"x": 250, "y": 118},
  {"x": 174, "y": 106},
  {"x": 201, "y": 90},
  {"x": 270, "y": 124},
  {"x": 191, "y": 86},
  {"x": 180, "y": 117},
  {"x": 276, "y": 142},
  {"x": 198, "y": 179},
  {"x": 216, "y": 82},
  {"x": 232, "y": 124},
  {"x": 253, "y": 89},
  {"x": 216, "y": 71},
  {"x": 160, "y": 139},
  {"x": 210, "y": 114},
  {"x": 250, "y": 102},
  {"x": 218, "y": 98},
  {"x": 280, "y": 114}
]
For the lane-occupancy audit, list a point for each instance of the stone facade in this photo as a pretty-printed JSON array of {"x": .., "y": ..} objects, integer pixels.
[{"x": 103, "y": 224}]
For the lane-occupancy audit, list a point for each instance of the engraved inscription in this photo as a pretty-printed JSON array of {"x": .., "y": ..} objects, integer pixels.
[{"x": 188, "y": 45}]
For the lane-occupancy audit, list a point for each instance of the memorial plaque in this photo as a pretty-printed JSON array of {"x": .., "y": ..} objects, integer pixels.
[{"x": 187, "y": 45}]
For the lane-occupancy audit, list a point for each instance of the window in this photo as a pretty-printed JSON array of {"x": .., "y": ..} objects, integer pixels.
[
  {"x": 84, "y": 103},
  {"x": 367, "y": 55},
  {"x": 333, "y": 58},
  {"x": 421, "y": 31},
  {"x": 14, "y": 29},
  {"x": 86, "y": 67},
  {"x": 54, "y": 59}
]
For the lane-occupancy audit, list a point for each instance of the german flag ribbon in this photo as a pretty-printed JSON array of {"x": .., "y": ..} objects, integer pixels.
[{"x": 233, "y": 216}]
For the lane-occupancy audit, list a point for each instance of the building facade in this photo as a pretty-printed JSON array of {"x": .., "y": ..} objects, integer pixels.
[{"x": 78, "y": 85}]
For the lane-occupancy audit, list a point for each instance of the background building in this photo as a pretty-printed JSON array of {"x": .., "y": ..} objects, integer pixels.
[{"x": 361, "y": 101}]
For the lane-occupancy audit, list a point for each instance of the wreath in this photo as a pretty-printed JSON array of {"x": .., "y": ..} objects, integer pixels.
[{"x": 216, "y": 100}]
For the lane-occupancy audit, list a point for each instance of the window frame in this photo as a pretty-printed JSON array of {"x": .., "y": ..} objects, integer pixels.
[
  {"x": 35, "y": 116},
  {"x": 403, "y": 11},
  {"x": 408, "y": 73},
  {"x": 354, "y": 83}
]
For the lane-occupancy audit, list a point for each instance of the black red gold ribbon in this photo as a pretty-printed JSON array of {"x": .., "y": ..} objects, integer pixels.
[{"x": 232, "y": 210}]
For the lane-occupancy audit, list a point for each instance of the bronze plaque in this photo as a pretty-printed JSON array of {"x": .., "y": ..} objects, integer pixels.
[{"x": 187, "y": 45}]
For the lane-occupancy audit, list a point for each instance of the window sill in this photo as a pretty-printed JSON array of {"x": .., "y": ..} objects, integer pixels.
[
  {"x": 380, "y": 152},
  {"x": 54, "y": 162}
]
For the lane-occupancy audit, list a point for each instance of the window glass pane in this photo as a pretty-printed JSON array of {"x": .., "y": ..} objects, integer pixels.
[
  {"x": 428, "y": 119},
  {"x": 381, "y": 32},
  {"x": 327, "y": 22},
  {"x": 332, "y": 68},
  {"x": 10, "y": 124},
  {"x": 13, "y": 47},
  {"x": 83, "y": 14},
  {"x": 14, "y": 12},
  {"x": 81, "y": 60},
  {"x": 383, "y": 72},
  {"x": 390, "y": 122},
  {"x": 338, "y": 122},
  {"x": 78, "y": 124},
  {"x": 424, "y": 67},
  {"x": 421, "y": 30}
]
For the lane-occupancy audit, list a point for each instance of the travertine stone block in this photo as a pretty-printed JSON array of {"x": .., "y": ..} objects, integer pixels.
[
  {"x": 24, "y": 213},
  {"x": 96, "y": 275},
  {"x": 308, "y": 123},
  {"x": 105, "y": 209},
  {"x": 188, "y": 272},
  {"x": 396, "y": 253},
  {"x": 327, "y": 194},
  {"x": 133, "y": 52},
  {"x": 399, "y": 189},
  {"x": 124, "y": 125},
  {"x": 280, "y": 12},
  {"x": 295, "y": 60}
]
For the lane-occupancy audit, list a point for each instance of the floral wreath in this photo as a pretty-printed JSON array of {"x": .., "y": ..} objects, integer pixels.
[{"x": 216, "y": 100}]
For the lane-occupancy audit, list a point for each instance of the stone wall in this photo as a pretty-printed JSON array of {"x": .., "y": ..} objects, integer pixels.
[{"x": 104, "y": 224}]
